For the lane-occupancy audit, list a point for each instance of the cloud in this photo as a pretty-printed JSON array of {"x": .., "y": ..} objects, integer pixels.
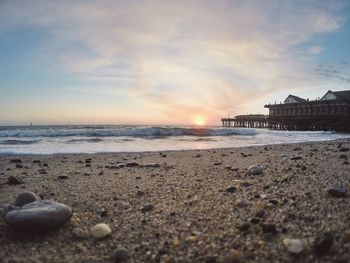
[{"x": 181, "y": 56}]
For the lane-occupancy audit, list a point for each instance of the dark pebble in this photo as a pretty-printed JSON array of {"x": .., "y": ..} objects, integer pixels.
[
  {"x": 62, "y": 176},
  {"x": 273, "y": 201},
  {"x": 140, "y": 193},
  {"x": 231, "y": 189},
  {"x": 16, "y": 161},
  {"x": 343, "y": 156},
  {"x": 132, "y": 164},
  {"x": 19, "y": 166},
  {"x": 103, "y": 213},
  {"x": 269, "y": 228},
  {"x": 13, "y": 180},
  {"x": 255, "y": 220},
  {"x": 36, "y": 161},
  {"x": 41, "y": 216},
  {"x": 26, "y": 198},
  {"x": 323, "y": 243},
  {"x": 338, "y": 192},
  {"x": 120, "y": 255},
  {"x": 244, "y": 226},
  {"x": 296, "y": 158},
  {"x": 343, "y": 149},
  {"x": 147, "y": 208}
]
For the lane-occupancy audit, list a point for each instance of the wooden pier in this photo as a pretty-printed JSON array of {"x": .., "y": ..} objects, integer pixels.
[
  {"x": 247, "y": 121},
  {"x": 330, "y": 113}
]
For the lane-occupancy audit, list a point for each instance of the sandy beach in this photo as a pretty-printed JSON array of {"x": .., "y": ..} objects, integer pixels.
[{"x": 187, "y": 206}]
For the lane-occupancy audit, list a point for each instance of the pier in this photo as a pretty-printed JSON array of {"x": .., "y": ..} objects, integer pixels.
[
  {"x": 247, "y": 121},
  {"x": 330, "y": 113}
]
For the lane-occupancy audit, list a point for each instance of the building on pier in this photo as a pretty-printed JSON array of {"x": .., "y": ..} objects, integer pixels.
[{"x": 331, "y": 112}]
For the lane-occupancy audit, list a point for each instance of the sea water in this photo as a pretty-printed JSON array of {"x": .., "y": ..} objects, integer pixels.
[{"x": 114, "y": 138}]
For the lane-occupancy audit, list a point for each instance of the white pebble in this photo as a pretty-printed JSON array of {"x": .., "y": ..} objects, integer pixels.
[
  {"x": 294, "y": 246},
  {"x": 100, "y": 231}
]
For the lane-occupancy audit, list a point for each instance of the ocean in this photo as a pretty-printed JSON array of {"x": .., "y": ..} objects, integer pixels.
[{"x": 114, "y": 138}]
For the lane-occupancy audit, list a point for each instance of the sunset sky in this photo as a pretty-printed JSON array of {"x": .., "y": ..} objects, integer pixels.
[{"x": 166, "y": 62}]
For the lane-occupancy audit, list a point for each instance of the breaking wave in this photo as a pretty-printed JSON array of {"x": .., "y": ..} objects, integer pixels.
[{"x": 156, "y": 132}]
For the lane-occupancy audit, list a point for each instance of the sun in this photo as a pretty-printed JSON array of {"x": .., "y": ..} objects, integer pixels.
[{"x": 199, "y": 120}]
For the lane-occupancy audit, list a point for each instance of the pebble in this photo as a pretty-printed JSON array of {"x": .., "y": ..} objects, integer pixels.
[
  {"x": 26, "y": 198},
  {"x": 255, "y": 169},
  {"x": 338, "y": 192},
  {"x": 120, "y": 255},
  {"x": 235, "y": 256},
  {"x": 343, "y": 149},
  {"x": 346, "y": 237},
  {"x": 151, "y": 165},
  {"x": 16, "y": 161},
  {"x": 231, "y": 189},
  {"x": 147, "y": 208},
  {"x": 62, "y": 176},
  {"x": 244, "y": 226},
  {"x": 269, "y": 228},
  {"x": 101, "y": 231},
  {"x": 41, "y": 215},
  {"x": 323, "y": 243},
  {"x": 296, "y": 158},
  {"x": 132, "y": 164},
  {"x": 343, "y": 156},
  {"x": 294, "y": 246},
  {"x": 80, "y": 233},
  {"x": 14, "y": 180},
  {"x": 20, "y": 166}
]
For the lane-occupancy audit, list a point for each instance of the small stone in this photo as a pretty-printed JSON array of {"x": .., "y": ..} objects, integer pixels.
[
  {"x": 323, "y": 243},
  {"x": 140, "y": 193},
  {"x": 101, "y": 231},
  {"x": 343, "y": 156},
  {"x": 346, "y": 162},
  {"x": 343, "y": 149},
  {"x": 228, "y": 167},
  {"x": 16, "y": 161},
  {"x": 19, "y": 166},
  {"x": 88, "y": 160},
  {"x": 231, "y": 189},
  {"x": 132, "y": 164},
  {"x": 218, "y": 163},
  {"x": 273, "y": 201},
  {"x": 234, "y": 256},
  {"x": 338, "y": 192},
  {"x": 296, "y": 158},
  {"x": 36, "y": 161},
  {"x": 346, "y": 237},
  {"x": 255, "y": 169},
  {"x": 80, "y": 233},
  {"x": 294, "y": 246},
  {"x": 244, "y": 226},
  {"x": 26, "y": 198},
  {"x": 120, "y": 255},
  {"x": 103, "y": 212},
  {"x": 147, "y": 208},
  {"x": 151, "y": 165},
  {"x": 255, "y": 220},
  {"x": 41, "y": 215},
  {"x": 62, "y": 176},
  {"x": 269, "y": 228},
  {"x": 14, "y": 180}
]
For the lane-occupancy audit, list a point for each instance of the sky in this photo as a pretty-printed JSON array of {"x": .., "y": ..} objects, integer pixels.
[{"x": 166, "y": 62}]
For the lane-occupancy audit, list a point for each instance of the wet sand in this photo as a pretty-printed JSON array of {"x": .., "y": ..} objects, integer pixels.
[{"x": 204, "y": 205}]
